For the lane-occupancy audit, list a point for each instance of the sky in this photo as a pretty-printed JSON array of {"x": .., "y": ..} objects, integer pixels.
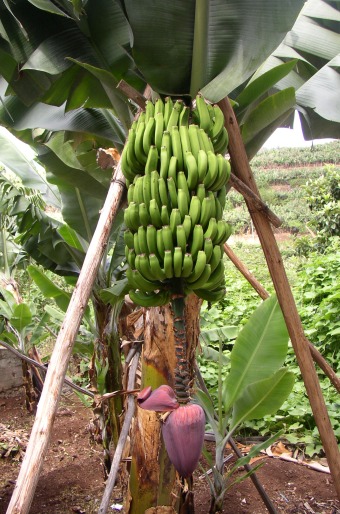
[{"x": 291, "y": 137}]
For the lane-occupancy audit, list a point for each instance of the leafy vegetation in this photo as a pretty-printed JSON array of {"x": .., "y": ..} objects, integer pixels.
[{"x": 315, "y": 279}]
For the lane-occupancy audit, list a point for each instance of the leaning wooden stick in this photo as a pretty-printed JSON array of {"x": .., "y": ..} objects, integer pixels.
[
  {"x": 254, "y": 200},
  {"x": 241, "y": 168},
  {"x": 317, "y": 357},
  {"x": 131, "y": 405},
  {"x": 31, "y": 466}
]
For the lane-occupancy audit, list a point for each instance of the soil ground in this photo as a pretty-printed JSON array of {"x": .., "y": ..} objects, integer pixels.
[{"x": 72, "y": 479}]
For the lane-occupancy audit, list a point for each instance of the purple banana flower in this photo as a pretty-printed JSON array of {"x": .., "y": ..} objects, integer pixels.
[
  {"x": 183, "y": 434},
  {"x": 162, "y": 399}
]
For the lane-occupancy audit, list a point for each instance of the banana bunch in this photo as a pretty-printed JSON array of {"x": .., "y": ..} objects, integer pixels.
[{"x": 176, "y": 194}]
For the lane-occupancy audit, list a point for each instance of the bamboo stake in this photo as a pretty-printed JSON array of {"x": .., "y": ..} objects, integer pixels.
[
  {"x": 317, "y": 357},
  {"x": 131, "y": 405},
  {"x": 241, "y": 168},
  {"x": 38, "y": 443},
  {"x": 42, "y": 368}
]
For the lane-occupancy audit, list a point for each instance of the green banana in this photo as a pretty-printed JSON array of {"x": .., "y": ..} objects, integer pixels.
[
  {"x": 152, "y": 161},
  {"x": 201, "y": 281},
  {"x": 172, "y": 171},
  {"x": 143, "y": 245},
  {"x": 205, "y": 141},
  {"x": 211, "y": 296},
  {"x": 151, "y": 239},
  {"x": 177, "y": 146},
  {"x": 221, "y": 232},
  {"x": 177, "y": 261},
  {"x": 216, "y": 257},
  {"x": 223, "y": 173},
  {"x": 203, "y": 114},
  {"x": 130, "y": 191},
  {"x": 167, "y": 238},
  {"x": 153, "y": 299},
  {"x": 147, "y": 187},
  {"x": 132, "y": 212},
  {"x": 139, "y": 150},
  {"x": 167, "y": 110},
  {"x": 192, "y": 170},
  {"x": 200, "y": 192},
  {"x": 185, "y": 140},
  {"x": 156, "y": 270},
  {"x": 172, "y": 192},
  {"x": 164, "y": 163},
  {"x": 155, "y": 214},
  {"x": 168, "y": 264},
  {"x": 221, "y": 144},
  {"x": 206, "y": 212},
  {"x": 218, "y": 123},
  {"x": 143, "y": 266},
  {"x": 197, "y": 240},
  {"x": 139, "y": 282},
  {"x": 132, "y": 160},
  {"x": 155, "y": 189},
  {"x": 182, "y": 203},
  {"x": 183, "y": 184},
  {"x": 159, "y": 129},
  {"x": 218, "y": 210},
  {"x": 159, "y": 107},
  {"x": 181, "y": 238},
  {"x": 200, "y": 263},
  {"x": 202, "y": 165},
  {"x": 208, "y": 248},
  {"x": 136, "y": 243},
  {"x": 127, "y": 169},
  {"x": 195, "y": 210},
  {"x": 163, "y": 191},
  {"x": 165, "y": 215},
  {"x": 184, "y": 116},
  {"x": 212, "y": 172},
  {"x": 166, "y": 141},
  {"x": 216, "y": 277},
  {"x": 194, "y": 140},
  {"x": 175, "y": 220},
  {"x": 144, "y": 216},
  {"x": 174, "y": 115},
  {"x": 160, "y": 244},
  {"x": 149, "y": 110},
  {"x": 128, "y": 238},
  {"x": 149, "y": 135},
  {"x": 188, "y": 265},
  {"x": 211, "y": 231},
  {"x": 141, "y": 118},
  {"x": 187, "y": 225},
  {"x": 138, "y": 191},
  {"x": 131, "y": 258},
  {"x": 222, "y": 196}
]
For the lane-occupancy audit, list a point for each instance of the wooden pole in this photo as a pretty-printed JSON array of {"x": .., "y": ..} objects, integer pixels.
[
  {"x": 317, "y": 357},
  {"x": 241, "y": 167},
  {"x": 38, "y": 443}
]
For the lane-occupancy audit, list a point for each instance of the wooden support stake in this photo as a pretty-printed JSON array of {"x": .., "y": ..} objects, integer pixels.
[
  {"x": 254, "y": 200},
  {"x": 317, "y": 357},
  {"x": 241, "y": 168},
  {"x": 38, "y": 443}
]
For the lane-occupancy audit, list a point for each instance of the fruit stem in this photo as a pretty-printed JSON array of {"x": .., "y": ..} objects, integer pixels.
[{"x": 182, "y": 374}]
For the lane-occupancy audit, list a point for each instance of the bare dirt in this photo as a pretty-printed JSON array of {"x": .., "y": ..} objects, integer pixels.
[{"x": 72, "y": 479}]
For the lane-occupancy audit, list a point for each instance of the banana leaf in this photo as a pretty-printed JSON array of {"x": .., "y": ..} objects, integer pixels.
[
  {"x": 259, "y": 350},
  {"x": 231, "y": 38}
]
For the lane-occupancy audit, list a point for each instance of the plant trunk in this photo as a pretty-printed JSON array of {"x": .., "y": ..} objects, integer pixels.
[
  {"x": 107, "y": 376},
  {"x": 153, "y": 478}
]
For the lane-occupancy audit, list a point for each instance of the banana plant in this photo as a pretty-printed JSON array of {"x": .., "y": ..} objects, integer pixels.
[
  {"x": 60, "y": 67},
  {"x": 256, "y": 384}
]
